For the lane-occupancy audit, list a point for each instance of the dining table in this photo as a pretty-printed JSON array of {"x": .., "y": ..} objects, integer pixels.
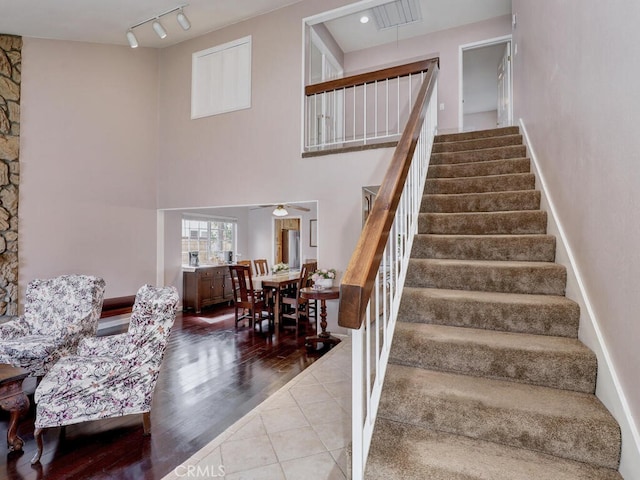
[{"x": 276, "y": 283}]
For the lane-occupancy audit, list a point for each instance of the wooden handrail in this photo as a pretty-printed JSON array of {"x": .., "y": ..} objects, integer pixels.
[
  {"x": 368, "y": 77},
  {"x": 358, "y": 280}
]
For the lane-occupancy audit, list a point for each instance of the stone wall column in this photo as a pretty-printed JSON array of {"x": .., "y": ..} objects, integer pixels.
[{"x": 10, "y": 71}]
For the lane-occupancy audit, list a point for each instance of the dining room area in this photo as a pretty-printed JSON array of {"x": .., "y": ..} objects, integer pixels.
[{"x": 278, "y": 242}]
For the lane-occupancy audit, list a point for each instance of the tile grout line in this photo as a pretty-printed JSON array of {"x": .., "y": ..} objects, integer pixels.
[{"x": 271, "y": 404}]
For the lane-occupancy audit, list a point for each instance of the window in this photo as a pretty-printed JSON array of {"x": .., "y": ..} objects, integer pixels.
[
  {"x": 221, "y": 79},
  {"x": 211, "y": 238}
]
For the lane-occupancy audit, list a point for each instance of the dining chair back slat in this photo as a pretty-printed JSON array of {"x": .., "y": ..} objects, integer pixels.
[{"x": 261, "y": 266}]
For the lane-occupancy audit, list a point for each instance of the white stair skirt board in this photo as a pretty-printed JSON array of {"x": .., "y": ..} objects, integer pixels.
[{"x": 608, "y": 387}]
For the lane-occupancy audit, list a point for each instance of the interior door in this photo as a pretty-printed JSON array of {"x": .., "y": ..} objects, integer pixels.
[{"x": 504, "y": 88}]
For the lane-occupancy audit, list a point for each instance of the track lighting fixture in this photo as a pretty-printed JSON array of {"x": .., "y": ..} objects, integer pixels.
[{"x": 181, "y": 18}]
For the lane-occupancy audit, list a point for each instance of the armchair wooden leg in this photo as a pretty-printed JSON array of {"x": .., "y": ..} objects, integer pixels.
[
  {"x": 146, "y": 423},
  {"x": 38, "y": 438}
]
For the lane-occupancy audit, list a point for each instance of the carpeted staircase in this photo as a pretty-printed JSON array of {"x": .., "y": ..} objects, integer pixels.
[{"x": 487, "y": 379}]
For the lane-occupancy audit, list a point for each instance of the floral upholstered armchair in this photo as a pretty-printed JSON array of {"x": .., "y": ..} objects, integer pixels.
[
  {"x": 58, "y": 312},
  {"x": 110, "y": 376}
]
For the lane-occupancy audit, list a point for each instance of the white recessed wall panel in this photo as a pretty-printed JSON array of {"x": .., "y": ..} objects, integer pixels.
[{"x": 221, "y": 79}]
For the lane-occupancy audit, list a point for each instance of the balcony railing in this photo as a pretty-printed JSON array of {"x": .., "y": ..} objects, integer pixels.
[
  {"x": 362, "y": 109},
  {"x": 372, "y": 285}
]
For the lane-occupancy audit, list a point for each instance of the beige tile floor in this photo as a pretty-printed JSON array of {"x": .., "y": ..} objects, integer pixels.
[{"x": 299, "y": 433}]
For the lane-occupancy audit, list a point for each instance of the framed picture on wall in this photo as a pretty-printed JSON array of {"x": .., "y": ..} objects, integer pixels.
[{"x": 313, "y": 232}]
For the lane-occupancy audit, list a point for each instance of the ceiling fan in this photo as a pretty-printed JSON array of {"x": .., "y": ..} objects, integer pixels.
[{"x": 281, "y": 208}]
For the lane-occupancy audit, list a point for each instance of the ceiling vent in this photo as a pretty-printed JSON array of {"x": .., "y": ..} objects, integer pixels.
[{"x": 393, "y": 14}]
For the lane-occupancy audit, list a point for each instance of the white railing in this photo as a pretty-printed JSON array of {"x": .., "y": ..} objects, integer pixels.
[
  {"x": 371, "y": 341},
  {"x": 361, "y": 109}
]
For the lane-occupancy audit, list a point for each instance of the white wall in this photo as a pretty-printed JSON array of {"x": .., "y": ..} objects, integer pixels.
[
  {"x": 576, "y": 92},
  {"x": 171, "y": 230},
  {"x": 253, "y": 156},
  {"x": 107, "y": 138},
  {"x": 88, "y": 163},
  {"x": 480, "y": 120}
]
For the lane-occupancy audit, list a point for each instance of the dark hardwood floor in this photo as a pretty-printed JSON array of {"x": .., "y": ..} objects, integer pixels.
[{"x": 211, "y": 376}]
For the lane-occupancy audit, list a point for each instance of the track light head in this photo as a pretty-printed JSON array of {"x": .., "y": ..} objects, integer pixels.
[
  {"x": 183, "y": 20},
  {"x": 131, "y": 38},
  {"x": 159, "y": 29}
]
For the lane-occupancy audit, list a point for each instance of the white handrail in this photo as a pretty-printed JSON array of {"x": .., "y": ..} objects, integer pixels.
[{"x": 382, "y": 310}]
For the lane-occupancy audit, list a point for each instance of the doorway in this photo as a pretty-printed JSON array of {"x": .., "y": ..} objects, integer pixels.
[
  {"x": 485, "y": 89},
  {"x": 325, "y": 112},
  {"x": 287, "y": 242}
]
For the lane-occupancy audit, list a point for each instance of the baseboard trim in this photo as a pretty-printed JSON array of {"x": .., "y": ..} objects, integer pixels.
[{"x": 609, "y": 389}]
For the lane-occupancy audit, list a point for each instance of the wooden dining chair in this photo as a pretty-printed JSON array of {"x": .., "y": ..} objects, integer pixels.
[
  {"x": 296, "y": 306},
  {"x": 244, "y": 262},
  {"x": 311, "y": 306},
  {"x": 249, "y": 302},
  {"x": 261, "y": 266}
]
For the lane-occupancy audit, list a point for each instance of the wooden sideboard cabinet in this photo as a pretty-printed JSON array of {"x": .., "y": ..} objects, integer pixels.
[{"x": 206, "y": 286}]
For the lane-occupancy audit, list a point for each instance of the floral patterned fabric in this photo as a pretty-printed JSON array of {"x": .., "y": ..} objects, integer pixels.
[
  {"x": 58, "y": 313},
  {"x": 114, "y": 375}
]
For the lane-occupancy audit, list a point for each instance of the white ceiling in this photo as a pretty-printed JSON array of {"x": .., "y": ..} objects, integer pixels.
[
  {"x": 106, "y": 21},
  {"x": 437, "y": 15}
]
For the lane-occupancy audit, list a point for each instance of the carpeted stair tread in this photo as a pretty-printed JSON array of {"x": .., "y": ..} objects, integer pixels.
[
  {"x": 477, "y": 143},
  {"x": 487, "y": 183},
  {"x": 545, "y": 278},
  {"x": 481, "y": 202},
  {"x": 549, "y": 420},
  {"x": 530, "y": 248},
  {"x": 462, "y": 136},
  {"x": 496, "y": 153},
  {"x": 475, "y": 169},
  {"x": 511, "y": 312},
  {"x": 484, "y": 223},
  {"x": 555, "y": 362},
  {"x": 408, "y": 452},
  {"x": 487, "y": 379}
]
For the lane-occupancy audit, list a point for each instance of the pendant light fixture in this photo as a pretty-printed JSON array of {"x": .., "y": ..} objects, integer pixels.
[
  {"x": 280, "y": 211},
  {"x": 181, "y": 18}
]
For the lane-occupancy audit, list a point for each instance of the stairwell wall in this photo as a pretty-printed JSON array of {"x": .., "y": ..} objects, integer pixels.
[
  {"x": 253, "y": 156},
  {"x": 575, "y": 92}
]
